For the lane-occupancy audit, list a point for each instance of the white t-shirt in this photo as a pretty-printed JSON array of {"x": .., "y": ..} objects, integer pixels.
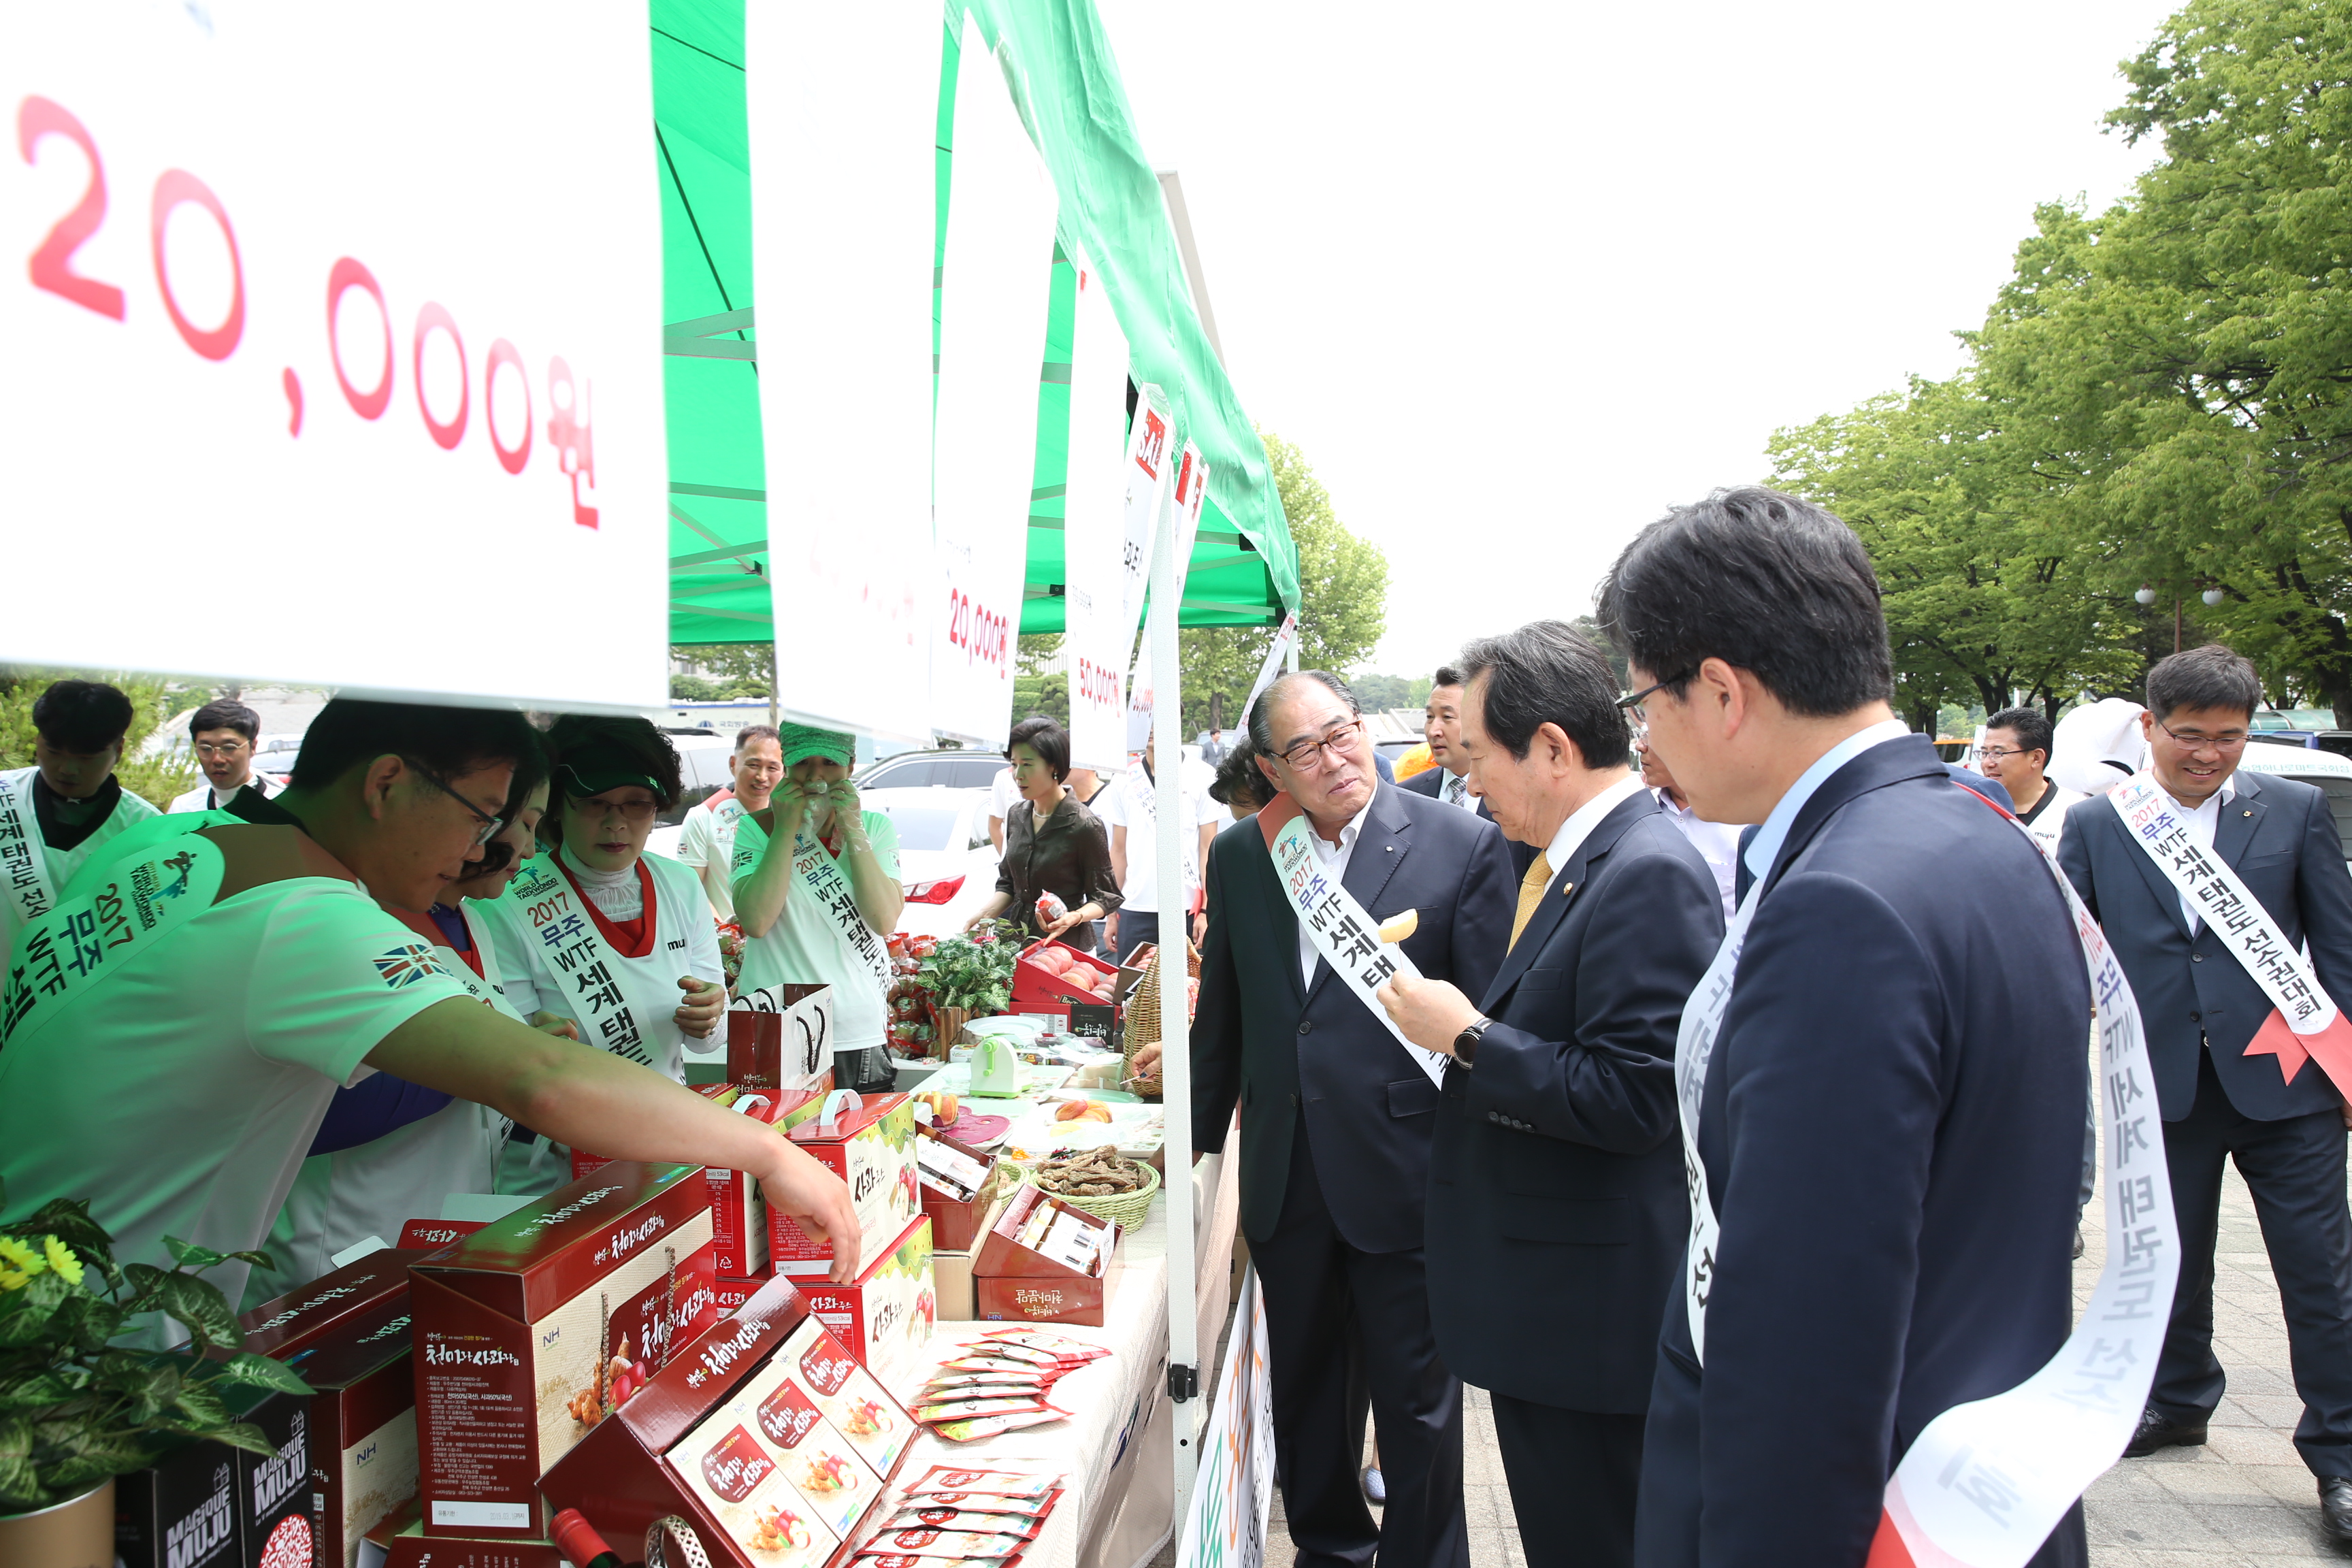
[
  {"x": 557, "y": 954},
  {"x": 176, "y": 1080},
  {"x": 705, "y": 846},
  {"x": 1002, "y": 793},
  {"x": 2048, "y": 823},
  {"x": 21, "y": 833},
  {"x": 1717, "y": 844},
  {"x": 1132, "y": 802},
  {"x": 804, "y": 946},
  {"x": 204, "y": 797}
]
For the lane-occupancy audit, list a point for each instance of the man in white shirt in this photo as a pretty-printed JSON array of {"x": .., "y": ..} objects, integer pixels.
[
  {"x": 1130, "y": 808},
  {"x": 224, "y": 732},
  {"x": 2016, "y": 756},
  {"x": 706, "y": 839},
  {"x": 1718, "y": 843},
  {"x": 57, "y": 814}
]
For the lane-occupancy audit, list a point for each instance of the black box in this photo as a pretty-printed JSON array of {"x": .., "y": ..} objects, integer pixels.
[
  {"x": 1097, "y": 1021},
  {"x": 275, "y": 1498},
  {"x": 181, "y": 1512}
]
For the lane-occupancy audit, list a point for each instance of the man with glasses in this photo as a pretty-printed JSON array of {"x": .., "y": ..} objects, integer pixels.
[
  {"x": 224, "y": 733},
  {"x": 1337, "y": 1117},
  {"x": 2016, "y": 756},
  {"x": 2225, "y": 1093}
]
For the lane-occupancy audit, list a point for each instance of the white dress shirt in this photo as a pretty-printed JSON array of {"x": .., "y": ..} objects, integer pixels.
[
  {"x": 1766, "y": 847},
  {"x": 1453, "y": 789},
  {"x": 2202, "y": 822},
  {"x": 1581, "y": 822},
  {"x": 1334, "y": 860},
  {"x": 1717, "y": 842}
]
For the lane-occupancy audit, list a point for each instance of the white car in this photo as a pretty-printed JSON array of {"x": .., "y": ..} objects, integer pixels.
[
  {"x": 2328, "y": 771},
  {"x": 946, "y": 863}
]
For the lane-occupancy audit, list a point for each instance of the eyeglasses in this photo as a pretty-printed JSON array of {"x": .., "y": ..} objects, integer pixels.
[
  {"x": 634, "y": 810},
  {"x": 222, "y": 748},
  {"x": 1342, "y": 741},
  {"x": 490, "y": 826},
  {"x": 2001, "y": 754},
  {"x": 2196, "y": 742},
  {"x": 1633, "y": 705}
]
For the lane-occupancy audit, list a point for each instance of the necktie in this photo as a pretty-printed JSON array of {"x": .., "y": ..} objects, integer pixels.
[
  {"x": 1531, "y": 892},
  {"x": 1453, "y": 788}
]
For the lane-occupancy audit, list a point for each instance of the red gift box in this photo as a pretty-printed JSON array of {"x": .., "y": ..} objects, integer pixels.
[
  {"x": 871, "y": 1147},
  {"x": 739, "y": 1215},
  {"x": 885, "y": 1315},
  {"x": 1041, "y": 982},
  {"x": 284, "y": 1324},
  {"x": 781, "y": 1040},
  {"x": 459, "y": 1551},
  {"x": 1014, "y": 1282},
  {"x": 436, "y": 1233},
  {"x": 363, "y": 1424},
  {"x": 955, "y": 1221},
  {"x": 763, "y": 1435},
  {"x": 519, "y": 1324}
]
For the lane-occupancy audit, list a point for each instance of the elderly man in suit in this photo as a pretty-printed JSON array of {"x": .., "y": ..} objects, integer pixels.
[
  {"x": 2284, "y": 1127},
  {"x": 1337, "y": 1116},
  {"x": 1557, "y": 1207},
  {"x": 1890, "y": 1121}
]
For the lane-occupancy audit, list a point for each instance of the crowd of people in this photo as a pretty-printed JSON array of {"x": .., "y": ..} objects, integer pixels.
[{"x": 1712, "y": 1310}]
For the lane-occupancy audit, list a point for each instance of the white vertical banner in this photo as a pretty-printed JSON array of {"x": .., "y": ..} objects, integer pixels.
[
  {"x": 845, "y": 351},
  {"x": 363, "y": 307},
  {"x": 1234, "y": 1496},
  {"x": 994, "y": 286},
  {"x": 1146, "y": 476},
  {"x": 1095, "y": 640},
  {"x": 1191, "y": 493},
  {"x": 1139, "y": 700}
]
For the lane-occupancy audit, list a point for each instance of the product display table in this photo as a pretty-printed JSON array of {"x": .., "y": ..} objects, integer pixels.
[{"x": 1115, "y": 1448}]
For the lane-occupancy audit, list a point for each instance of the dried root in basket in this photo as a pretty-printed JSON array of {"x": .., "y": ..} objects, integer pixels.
[{"x": 1103, "y": 1173}]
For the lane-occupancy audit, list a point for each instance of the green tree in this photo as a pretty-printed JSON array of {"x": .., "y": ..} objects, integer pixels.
[
  {"x": 1343, "y": 583},
  {"x": 1377, "y": 691},
  {"x": 1590, "y": 631},
  {"x": 155, "y": 779}
]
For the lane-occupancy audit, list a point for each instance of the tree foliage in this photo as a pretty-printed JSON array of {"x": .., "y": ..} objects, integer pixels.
[{"x": 1374, "y": 692}]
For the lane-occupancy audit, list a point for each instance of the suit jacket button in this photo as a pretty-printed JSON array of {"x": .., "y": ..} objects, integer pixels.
[
  {"x": 1493, "y": 1116},
  {"x": 2196, "y": 1017},
  {"x": 2196, "y": 958},
  {"x": 1306, "y": 1026}
]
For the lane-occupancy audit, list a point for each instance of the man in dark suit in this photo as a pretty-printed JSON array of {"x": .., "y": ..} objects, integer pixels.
[
  {"x": 1336, "y": 1119},
  {"x": 2201, "y": 1009},
  {"x": 1448, "y": 776},
  {"x": 1892, "y": 1116},
  {"x": 1557, "y": 1209}
]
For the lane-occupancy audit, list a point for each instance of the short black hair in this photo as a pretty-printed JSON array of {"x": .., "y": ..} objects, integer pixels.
[
  {"x": 1238, "y": 782},
  {"x": 1446, "y": 676},
  {"x": 2030, "y": 728},
  {"x": 2208, "y": 677},
  {"x": 750, "y": 732},
  {"x": 450, "y": 742},
  {"x": 1546, "y": 673},
  {"x": 1764, "y": 582},
  {"x": 1261, "y": 714},
  {"x": 1047, "y": 739},
  {"x": 612, "y": 739},
  {"x": 81, "y": 715},
  {"x": 226, "y": 713}
]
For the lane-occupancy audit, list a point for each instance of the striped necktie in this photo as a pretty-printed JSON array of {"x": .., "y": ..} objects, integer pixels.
[
  {"x": 1453, "y": 788},
  {"x": 1531, "y": 892}
]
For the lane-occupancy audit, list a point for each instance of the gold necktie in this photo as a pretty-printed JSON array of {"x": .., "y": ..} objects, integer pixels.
[{"x": 1531, "y": 892}]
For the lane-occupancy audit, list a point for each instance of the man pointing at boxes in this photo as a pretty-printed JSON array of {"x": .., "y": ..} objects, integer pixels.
[{"x": 172, "y": 1032}]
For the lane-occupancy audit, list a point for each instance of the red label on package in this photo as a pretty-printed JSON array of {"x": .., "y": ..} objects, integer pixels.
[
  {"x": 736, "y": 1466},
  {"x": 826, "y": 1366},
  {"x": 786, "y": 1415}
]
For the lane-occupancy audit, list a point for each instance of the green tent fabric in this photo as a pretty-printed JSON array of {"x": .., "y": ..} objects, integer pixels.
[{"x": 1243, "y": 570}]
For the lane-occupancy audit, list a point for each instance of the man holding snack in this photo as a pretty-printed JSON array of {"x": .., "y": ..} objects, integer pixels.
[
  {"x": 172, "y": 1031},
  {"x": 1557, "y": 1176},
  {"x": 1338, "y": 1112}
]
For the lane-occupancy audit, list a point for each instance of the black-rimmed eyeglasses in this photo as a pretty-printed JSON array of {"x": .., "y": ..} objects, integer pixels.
[{"x": 490, "y": 826}]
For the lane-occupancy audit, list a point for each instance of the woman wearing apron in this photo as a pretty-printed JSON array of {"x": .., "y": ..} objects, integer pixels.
[
  {"x": 816, "y": 892},
  {"x": 595, "y": 930}
]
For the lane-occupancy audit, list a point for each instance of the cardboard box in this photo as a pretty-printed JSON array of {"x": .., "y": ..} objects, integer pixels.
[
  {"x": 955, "y": 1194},
  {"x": 1014, "y": 1280},
  {"x": 885, "y": 1315},
  {"x": 181, "y": 1512},
  {"x": 517, "y": 1324},
  {"x": 364, "y": 1426},
  {"x": 779, "y": 1040},
  {"x": 763, "y": 1433},
  {"x": 274, "y": 1497},
  {"x": 733, "y": 1292},
  {"x": 951, "y": 1282},
  {"x": 739, "y": 1215},
  {"x": 871, "y": 1146},
  {"x": 413, "y": 1549},
  {"x": 284, "y": 1325},
  {"x": 436, "y": 1233},
  {"x": 1033, "y": 983}
]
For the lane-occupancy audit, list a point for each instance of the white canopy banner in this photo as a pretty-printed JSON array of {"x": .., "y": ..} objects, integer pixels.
[
  {"x": 1095, "y": 640},
  {"x": 1146, "y": 474},
  {"x": 368, "y": 315},
  {"x": 846, "y": 390},
  {"x": 994, "y": 286}
]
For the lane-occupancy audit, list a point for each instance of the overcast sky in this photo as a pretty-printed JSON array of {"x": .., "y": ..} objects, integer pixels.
[{"x": 1516, "y": 277}]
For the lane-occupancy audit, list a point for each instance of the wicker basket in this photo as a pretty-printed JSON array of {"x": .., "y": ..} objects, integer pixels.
[
  {"x": 1143, "y": 1018},
  {"x": 1126, "y": 1210}
]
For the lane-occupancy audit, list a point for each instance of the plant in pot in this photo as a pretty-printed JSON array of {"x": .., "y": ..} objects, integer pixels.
[
  {"x": 969, "y": 977},
  {"x": 76, "y": 1411}
]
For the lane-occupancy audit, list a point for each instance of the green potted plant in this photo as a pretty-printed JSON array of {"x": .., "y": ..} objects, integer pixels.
[
  {"x": 969, "y": 977},
  {"x": 76, "y": 1411}
]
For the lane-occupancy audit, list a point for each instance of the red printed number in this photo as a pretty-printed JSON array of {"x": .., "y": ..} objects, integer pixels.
[{"x": 52, "y": 265}]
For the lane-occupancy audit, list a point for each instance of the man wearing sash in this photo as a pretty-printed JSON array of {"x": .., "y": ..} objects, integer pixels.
[
  {"x": 172, "y": 1033},
  {"x": 1557, "y": 1177},
  {"x": 1338, "y": 1110},
  {"x": 1888, "y": 1126},
  {"x": 224, "y": 733},
  {"x": 706, "y": 839},
  {"x": 817, "y": 892},
  {"x": 2212, "y": 884},
  {"x": 55, "y": 815}
]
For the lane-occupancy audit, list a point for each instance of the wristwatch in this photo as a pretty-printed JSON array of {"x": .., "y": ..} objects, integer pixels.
[{"x": 1466, "y": 1044}]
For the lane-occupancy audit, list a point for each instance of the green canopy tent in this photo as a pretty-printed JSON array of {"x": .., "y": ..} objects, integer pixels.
[{"x": 1243, "y": 568}]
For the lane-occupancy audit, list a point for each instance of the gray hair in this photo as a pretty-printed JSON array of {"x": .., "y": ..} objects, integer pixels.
[{"x": 1261, "y": 714}]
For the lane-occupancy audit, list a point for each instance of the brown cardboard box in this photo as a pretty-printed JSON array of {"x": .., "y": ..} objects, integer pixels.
[
  {"x": 763, "y": 1433},
  {"x": 362, "y": 1426},
  {"x": 871, "y": 1146},
  {"x": 955, "y": 1219},
  {"x": 1014, "y": 1282},
  {"x": 951, "y": 1280},
  {"x": 517, "y": 1324},
  {"x": 885, "y": 1315}
]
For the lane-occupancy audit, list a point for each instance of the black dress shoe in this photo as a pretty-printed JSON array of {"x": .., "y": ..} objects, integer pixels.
[
  {"x": 2336, "y": 1505},
  {"x": 2160, "y": 1431}
]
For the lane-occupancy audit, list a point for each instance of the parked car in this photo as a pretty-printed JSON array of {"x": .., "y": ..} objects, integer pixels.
[
  {"x": 932, "y": 770},
  {"x": 2331, "y": 773},
  {"x": 946, "y": 864},
  {"x": 702, "y": 772}
]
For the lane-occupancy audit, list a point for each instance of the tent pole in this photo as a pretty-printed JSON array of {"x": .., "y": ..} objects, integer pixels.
[{"x": 1175, "y": 1017}]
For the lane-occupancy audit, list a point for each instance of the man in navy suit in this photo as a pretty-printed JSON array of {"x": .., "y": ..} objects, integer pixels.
[
  {"x": 1448, "y": 776},
  {"x": 2201, "y": 1010},
  {"x": 1336, "y": 1121},
  {"x": 1892, "y": 1116},
  {"x": 1557, "y": 1209}
]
